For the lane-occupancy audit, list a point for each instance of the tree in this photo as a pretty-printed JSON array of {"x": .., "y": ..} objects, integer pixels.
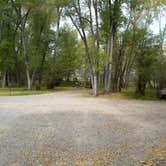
[
  {"x": 87, "y": 27},
  {"x": 33, "y": 50},
  {"x": 67, "y": 60},
  {"x": 147, "y": 57},
  {"x": 111, "y": 15},
  {"x": 7, "y": 35}
]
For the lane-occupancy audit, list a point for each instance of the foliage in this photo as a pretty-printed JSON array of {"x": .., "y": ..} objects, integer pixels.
[
  {"x": 103, "y": 43},
  {"x": 67, "y": 58}
]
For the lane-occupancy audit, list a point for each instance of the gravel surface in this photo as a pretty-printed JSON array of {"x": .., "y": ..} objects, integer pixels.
[{"x": 65, "y": 129}]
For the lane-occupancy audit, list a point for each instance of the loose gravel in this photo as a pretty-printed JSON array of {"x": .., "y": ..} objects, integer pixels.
[{"x": 65, "y": 129}]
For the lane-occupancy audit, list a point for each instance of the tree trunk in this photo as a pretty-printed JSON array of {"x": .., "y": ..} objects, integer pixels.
[
  {"x": 141, "y": 86},
  {"x": 94, "y": 76},
  {"x": 0, "y": 29},
  {"x": 33, "y": 77},
  {"x": 121, "y": 85},
  {"x": 28, "y": 80},
  {"x": 105, "y": 80},
  {"x": 95, "y": 84},
  {"x": 109, "y": 65},
  {"x": 4, "y": 80},
  {"x": 82, "y": 33},
  {"x": 115, "y": 85}
]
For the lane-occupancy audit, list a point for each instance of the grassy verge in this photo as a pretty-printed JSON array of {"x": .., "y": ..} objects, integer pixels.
[
  {"x": 125, "y": 94},
  {"x": 24, "y": 91},
  {"x": 129, "y": 94},
  {"x": 150, "y": 94}
]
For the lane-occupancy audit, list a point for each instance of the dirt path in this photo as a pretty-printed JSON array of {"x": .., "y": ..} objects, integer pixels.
[{"x": 64, "y": 129}]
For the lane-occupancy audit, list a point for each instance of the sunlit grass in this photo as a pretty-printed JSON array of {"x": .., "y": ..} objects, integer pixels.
[
  {"x": 129, "y": 93},
  {"x": 24, "y": 91},
  {"x": 125, "y": 94},
  {"x": 150, "y": 94}
]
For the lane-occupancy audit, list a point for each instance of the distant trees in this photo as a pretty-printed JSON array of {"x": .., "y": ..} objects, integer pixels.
[
  {"x": 45, "y": 42},
  {"x": 162, "y": 49},
  {"x": 146, "y": 61},
  {"x": 6, "y": 42},
  {"x": 63, "y": 63}
]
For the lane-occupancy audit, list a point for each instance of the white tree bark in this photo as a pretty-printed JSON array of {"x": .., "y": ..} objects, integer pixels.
[
  {"x": 95, "y": 85},
  {"x": 28, "y": 80}
]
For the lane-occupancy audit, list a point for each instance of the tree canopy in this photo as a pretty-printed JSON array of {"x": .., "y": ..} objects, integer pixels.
[{"x": 104, "y": 44}]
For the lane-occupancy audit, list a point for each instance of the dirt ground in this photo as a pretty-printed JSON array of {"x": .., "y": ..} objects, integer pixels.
[{"x": 65, "y": 129}]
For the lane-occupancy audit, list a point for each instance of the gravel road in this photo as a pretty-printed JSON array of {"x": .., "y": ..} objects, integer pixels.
[{"x": 65, "y": 129}]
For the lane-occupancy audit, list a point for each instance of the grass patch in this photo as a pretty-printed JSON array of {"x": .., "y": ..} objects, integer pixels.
[
  {"x": 24, "y": 91},
  {"x": 66, "y": 88},
  {"x": 125, "y": 94},
  {"x": 129, "y": 93},
  {"x": 150, "y": 94}
]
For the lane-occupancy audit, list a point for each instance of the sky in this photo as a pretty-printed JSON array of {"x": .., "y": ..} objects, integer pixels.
[{"x": 155, "y": 25}]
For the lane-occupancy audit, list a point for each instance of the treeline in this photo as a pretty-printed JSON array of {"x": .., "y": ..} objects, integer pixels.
[{"x": 108, "y": 43}]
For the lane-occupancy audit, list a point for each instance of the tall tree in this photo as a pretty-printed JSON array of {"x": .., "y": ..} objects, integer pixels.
[{"x": 88, "y": 27}]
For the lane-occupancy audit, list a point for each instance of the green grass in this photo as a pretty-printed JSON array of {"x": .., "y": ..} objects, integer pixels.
[
  {"x": 125, "y": 94},
  {"x": 150, "y": 94},
  {"x": 24, "y": 91},
  {"x": 128, "y": 94}
]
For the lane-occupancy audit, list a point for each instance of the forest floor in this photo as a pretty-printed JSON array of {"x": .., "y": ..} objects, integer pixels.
[{"x": 67, "y": 129}]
